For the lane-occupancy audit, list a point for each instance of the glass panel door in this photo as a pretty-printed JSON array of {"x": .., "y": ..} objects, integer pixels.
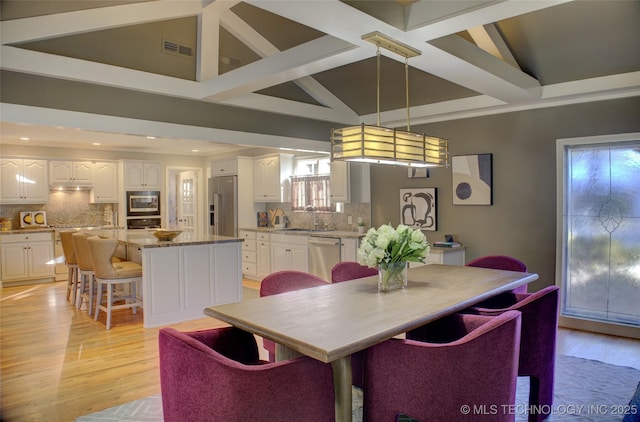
[
  {"x": 187, "y": 202},
  {"x": 602, "y": 232}
]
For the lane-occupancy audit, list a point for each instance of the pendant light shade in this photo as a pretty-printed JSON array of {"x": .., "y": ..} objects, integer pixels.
[{"x": 381, "y": 145}]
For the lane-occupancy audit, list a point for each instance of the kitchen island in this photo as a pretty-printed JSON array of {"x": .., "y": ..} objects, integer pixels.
[{"x": 183, "y": 276}]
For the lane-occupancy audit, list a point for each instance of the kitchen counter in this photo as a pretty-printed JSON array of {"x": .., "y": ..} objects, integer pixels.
[
  {"x": 309, "y": 232},
  {"x": 183, "y": 276},
  {"x": 144, "y": 239}
]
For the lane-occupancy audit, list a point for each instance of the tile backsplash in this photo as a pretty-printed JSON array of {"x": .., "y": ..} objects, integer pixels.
[
  {"x": 330, "y": 220},
  {"x": 63, "y": 208}
]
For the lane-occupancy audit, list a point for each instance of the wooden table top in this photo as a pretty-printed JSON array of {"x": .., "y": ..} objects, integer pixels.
[{"x": 336, "y": 320}]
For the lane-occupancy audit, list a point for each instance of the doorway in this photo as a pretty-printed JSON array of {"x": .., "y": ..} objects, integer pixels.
[{"x": 184, "y": 199}]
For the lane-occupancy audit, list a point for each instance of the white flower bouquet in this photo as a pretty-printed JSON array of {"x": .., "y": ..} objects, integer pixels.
[{"x": 390, "y": 249}]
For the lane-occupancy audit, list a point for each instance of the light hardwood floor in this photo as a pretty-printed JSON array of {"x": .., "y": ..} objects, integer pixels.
[{"x": 57, "y": 363}]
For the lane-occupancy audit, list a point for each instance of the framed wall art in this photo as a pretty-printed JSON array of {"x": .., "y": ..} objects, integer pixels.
[
  {"x": 472, "y": 179},
  {"x": 418, "y": 208},
  {"x": 417, "y": 172}
]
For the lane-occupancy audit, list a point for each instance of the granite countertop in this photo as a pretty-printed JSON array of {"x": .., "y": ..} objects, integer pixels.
[
  {"x": 59, "y": 228},
  {"x": 307, "y": 232},
  {"x": 144, "y": 239}
]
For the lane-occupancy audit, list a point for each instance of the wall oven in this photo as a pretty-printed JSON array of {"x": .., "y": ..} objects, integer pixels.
[
  {"x": 143, "y": 203},
  {"x": 144, "y": 223}
]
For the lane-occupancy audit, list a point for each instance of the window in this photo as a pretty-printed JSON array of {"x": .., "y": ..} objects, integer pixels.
[
  {"x": 601, "y": 229},
  {"x": 311, "y": 185}
]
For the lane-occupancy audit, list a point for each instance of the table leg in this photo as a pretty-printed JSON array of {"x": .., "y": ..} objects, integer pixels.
[
  {"x": 342, "y": 388},
  {"x": 285, "y": 353}
]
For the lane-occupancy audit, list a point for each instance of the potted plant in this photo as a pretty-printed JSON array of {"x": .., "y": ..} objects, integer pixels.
[{"x": 361, "y": 226}]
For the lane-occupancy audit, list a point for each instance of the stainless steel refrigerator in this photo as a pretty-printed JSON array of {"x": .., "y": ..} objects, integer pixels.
[{"x": 223, "y": 206}]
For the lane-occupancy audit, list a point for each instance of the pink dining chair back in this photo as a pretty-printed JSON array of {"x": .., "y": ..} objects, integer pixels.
[
  {"x": 538, "y": 346},
  {"x": 350, "y": 270},
  {"x": 501, "y": 262},
  {"x": 287, "y": 281},
  {"x": 281, "y": 282},
  {"x": 216, "y": 375},
  {"x": 431, "y": 379}
]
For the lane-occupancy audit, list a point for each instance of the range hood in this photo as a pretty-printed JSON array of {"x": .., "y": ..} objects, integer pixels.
[{"x": 69, "y": 187}]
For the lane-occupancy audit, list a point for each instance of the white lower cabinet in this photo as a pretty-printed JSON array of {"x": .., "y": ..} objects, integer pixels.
[
  {"x": 446, "y": 256},
  {"x": 348, "y": 249},
  {"x": 263, "y": 252},
  {"x": 289, "y": 252},
  {"x": 249, "y": 255},
  {"x": 27, "y": 257}
]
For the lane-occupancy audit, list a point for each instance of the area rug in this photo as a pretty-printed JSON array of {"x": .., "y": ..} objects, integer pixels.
[{"x": 585, "y": 390}]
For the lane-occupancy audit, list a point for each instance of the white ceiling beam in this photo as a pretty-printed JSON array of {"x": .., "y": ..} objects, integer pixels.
[
  {"x": 90, "y": 121},
  {"x": 470, "y": 15},
  {"x": 261, "y": 46},
  {"x": 90, "y": 20},
  {"x": 474, "y": 68},
  {"x": 574, "y": 92},
  {"x": 306, "y": 59},
  {"x": 37, "y": 63},
  {"x": 488, "y": 38},
  {"x": 293, "y": 108}
]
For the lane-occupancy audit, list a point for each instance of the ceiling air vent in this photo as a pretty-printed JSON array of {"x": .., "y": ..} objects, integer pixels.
[{"x": 172, "y": 47}]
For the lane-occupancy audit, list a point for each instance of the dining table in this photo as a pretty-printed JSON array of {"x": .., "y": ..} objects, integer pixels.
[{"x": 330, "y": 323}]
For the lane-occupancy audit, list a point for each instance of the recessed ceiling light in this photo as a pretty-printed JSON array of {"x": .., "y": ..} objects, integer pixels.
[
  {"x": 96, "y": 143},
  {"x": 151, "y": 137},
  {"x": 24, "y": 138},
  {"x": 195, "y": 150}
]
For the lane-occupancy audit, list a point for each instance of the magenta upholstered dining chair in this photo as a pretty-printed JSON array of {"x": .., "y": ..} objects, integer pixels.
[
  {"x": 538, "y": 345},
  {"x": 350, "y": 270},
  {"x": 285, "y": 281},
  {"x": 461, "y": 360},
  {"x": 501, "y": 262},
  {"x": 216, "y": 375}
]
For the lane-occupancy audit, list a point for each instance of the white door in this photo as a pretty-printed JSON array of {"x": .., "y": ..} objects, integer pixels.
[{"x": 187, "y": 202}]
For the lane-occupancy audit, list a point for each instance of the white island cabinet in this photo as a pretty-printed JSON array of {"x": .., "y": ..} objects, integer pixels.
[{"x": 182, "y": 277}]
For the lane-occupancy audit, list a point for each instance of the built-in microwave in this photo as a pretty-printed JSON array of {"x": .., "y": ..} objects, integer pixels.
[{"x": 143, "y": 203}]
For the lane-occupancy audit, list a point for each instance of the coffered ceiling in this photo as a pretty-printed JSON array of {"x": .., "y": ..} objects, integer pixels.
[{"x": 307, "y": 59}]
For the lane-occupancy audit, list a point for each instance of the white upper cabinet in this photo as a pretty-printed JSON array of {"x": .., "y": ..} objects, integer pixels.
[
  {"x": 350, "y": 182},
  {"x": 224, "y": 167},
  {"x": 142, "y": 175},
  {"x": 105, "y": 183},
  {"x": 271, "y": 178},
  {"x": 70, "y": 172},
  {"x": 340, "y": 181},
  {"x": 24, "y": 181}
]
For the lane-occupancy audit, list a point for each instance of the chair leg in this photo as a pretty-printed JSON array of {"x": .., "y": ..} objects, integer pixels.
[
  {"x": 80, "y": 290},
  {"x": 540, "y": 397},
  {"x": 98, "y": 299},
  {"x": 109, "y": 305},
  {"x": 70, "y": 285},
  {"x": 90, "y": 300},
  {"x": 134, "y": 297}
]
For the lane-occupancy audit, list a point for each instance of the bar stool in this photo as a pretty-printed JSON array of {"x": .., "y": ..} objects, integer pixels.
[
  {"x": 72, "y": 265},
  {"x": 111, "y": 274},
  {"x": 85, "y": 270}
]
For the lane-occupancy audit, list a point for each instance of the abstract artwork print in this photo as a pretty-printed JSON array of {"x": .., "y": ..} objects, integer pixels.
[{"x": 472, "y": 179}]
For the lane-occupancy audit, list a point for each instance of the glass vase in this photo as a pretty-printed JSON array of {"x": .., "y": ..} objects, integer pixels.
[{"x": 392, "y": 275}]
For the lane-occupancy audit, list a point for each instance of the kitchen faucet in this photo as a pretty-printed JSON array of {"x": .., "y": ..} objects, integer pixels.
[{"x": 312, "y": 209}]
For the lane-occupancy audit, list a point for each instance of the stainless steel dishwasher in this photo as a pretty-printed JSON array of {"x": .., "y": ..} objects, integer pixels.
[{"x": 324, "y": 253}]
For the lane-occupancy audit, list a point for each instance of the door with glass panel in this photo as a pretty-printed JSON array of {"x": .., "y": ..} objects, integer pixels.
[
  {"x": 601, "y": 230},
  {"x": 186, "y": 205}
]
